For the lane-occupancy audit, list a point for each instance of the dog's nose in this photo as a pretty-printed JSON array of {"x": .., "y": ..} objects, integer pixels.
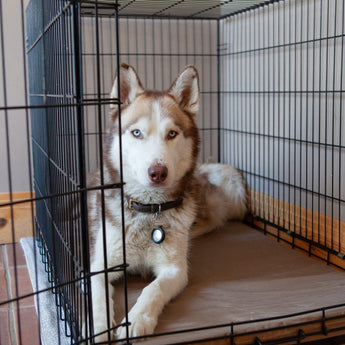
[{"x": 158, "y": 173}]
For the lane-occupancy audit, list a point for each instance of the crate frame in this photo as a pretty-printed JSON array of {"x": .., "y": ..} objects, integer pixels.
[{"x": 75, "y": 103}]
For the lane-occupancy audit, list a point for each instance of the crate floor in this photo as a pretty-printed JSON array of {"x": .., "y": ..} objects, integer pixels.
[{"x": 237, "y": 275}]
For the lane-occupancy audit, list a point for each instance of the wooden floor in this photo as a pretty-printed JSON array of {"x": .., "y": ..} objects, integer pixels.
[
  {"x": 16, "y": 221},
  {"x": 15, "y": 281}
]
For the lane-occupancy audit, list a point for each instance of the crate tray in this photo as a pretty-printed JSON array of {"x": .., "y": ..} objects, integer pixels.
[{"x": 253, "y": 289}]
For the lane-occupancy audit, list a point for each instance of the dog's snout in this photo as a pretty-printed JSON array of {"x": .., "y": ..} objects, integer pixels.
[{"x": 158, "y": 173}]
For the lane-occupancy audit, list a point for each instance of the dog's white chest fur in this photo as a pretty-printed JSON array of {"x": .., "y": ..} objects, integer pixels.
[{"x": 141, "y": 250}]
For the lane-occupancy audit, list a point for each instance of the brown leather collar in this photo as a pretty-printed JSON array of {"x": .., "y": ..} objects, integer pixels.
[{"x": 152, "y": 208}]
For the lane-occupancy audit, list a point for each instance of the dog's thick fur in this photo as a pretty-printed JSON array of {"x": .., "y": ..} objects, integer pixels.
[{"x": 158, "y": 132}]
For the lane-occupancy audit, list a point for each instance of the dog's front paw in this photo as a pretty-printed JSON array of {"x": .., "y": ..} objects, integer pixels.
[{"x": 140, "y": 324}]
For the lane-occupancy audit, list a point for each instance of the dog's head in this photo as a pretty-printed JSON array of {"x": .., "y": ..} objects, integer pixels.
[{"x": 160, "y": 140}]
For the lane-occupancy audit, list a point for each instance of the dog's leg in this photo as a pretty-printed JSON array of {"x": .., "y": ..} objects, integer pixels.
[
  {"x": 143, "y": 317},
  {"x": 102, "y": 291},
  {"x": 101, "y": 306},
  {"x": 102, "y": 303}
]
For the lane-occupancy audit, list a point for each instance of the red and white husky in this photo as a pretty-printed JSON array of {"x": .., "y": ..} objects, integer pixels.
[{"x": 169, "y": 199}]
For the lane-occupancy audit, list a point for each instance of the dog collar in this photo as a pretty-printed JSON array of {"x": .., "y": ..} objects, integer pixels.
[{"x": 153, "y": 208}]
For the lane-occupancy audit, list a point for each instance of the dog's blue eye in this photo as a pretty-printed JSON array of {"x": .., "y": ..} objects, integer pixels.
[
  {"x": 172, "y": 134},
  {"x": 137, "y": 133}
]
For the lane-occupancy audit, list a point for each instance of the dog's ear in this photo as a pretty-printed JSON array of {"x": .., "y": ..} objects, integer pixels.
[
  {"x": 130, "y": 85},
  {"x": 185, "y": 90}
]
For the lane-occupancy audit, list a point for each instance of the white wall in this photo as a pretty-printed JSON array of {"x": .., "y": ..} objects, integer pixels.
[{"x": 13, "y": 135}]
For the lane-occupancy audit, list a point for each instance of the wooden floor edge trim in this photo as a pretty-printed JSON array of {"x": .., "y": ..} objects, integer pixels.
[{"x": 16, "y": 196}]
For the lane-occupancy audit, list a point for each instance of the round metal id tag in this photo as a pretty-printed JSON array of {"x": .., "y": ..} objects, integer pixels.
[{"x": 158, "y": 235}]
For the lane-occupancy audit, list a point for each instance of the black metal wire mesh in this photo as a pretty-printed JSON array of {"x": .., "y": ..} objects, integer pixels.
[
  {"x": 272, "y": 76},
  {"x": 282, "y": 116},
  {"x": 58, "y": 152}
]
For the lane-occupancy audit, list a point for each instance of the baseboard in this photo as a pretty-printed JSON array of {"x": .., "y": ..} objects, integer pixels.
[{"x": 16, "y": 221}]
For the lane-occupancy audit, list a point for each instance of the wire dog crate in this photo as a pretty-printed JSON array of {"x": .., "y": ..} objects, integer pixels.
[{"x": 272, "y": 104}]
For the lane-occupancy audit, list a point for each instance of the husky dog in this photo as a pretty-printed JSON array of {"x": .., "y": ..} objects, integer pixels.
[{"x": 168, "y": 198}]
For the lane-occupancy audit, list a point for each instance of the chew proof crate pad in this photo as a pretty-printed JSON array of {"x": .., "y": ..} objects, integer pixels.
[{"x": 237, "y": 274}]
